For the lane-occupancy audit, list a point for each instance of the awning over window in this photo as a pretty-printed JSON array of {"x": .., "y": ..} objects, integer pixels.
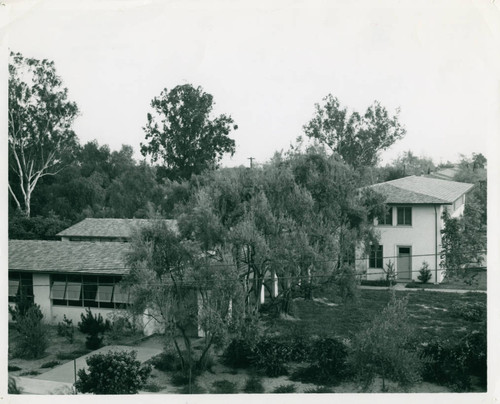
[
  {"x": 104, "y": 293},
  {"x": 13, "y": 287},
  {"x": 121, "y": 294},
  {"x": 73, "y": 291},
  {"x": 58, "y": 290}
]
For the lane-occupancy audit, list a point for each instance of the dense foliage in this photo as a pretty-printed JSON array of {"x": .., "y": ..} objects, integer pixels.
[
  {"x": 95, "y": 327},
  {"x": 113, "y": 373},
  {"x": 32, "y": 341},
  {"x": 182, "y": 135}
]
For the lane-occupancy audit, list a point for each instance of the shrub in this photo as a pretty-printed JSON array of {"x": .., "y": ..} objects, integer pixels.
[
  {"x": 66, "y": 329},
  {"x": 180, "y": 378},
  {"x": 378, "y": 282},
  {"x": 319, "y": 390},
  {"x": 271, "y": 355},
  {"x": 23, "y": 304},
  {"x": 238, "y": 354},
  {"x": 224, "y": 387},
  {"x": 253, "y": 385},
  {"x": 32, "y": 340},
  {"x": 13, "y": 388},
  {"x": 30, "y": 373},
  {"x": 151, "y": 387},
  {"x": 328, "y": 363},
  {"x": 285, "y": 388},
  {"x": 452, "y": 363},
  {"x": 13, "y": 368},
  {"x": 194, "y": 389},
  {"x": 94, "y": 327},
  {"x": 166, "y": 361},
  {"x": 113, "y": 373},
  {"x": 49, "y": 364},
  {"x": 425, "y": 273},
  {"x": 120, "y": 326},
  {"x": 383, "y": 349},
  {"x": 469, "y": 311}
]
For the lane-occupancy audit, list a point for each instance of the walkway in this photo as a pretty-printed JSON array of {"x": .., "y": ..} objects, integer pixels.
[
  {"x": 401, "y": 286},
  {"x": 65, "y": 373}
]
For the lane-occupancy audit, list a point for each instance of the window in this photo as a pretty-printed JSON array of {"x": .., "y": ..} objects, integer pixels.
[
  {"x": 386, "y": 220},
  {"x": 404, "y": 216},
  {"x": 20, "y": 283},
  {"x": 376, "y": 259},
  {"x": 87, "y": 291}
]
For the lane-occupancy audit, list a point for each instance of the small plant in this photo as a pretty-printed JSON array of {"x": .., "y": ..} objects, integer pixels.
[
  {"x": 152, "y": 387},
  {"x": 13, "y": 388},
  {"x": 166, "y": 361},
  {"x": 390, "y": 273},
  {"x": 49, "y": 364},
  {"x": 32, "y": 341},
  {"x": 425, "y": 273},
  {"x": 13, "y": 368},
  {"x": 285, "y": 388},
  {"x": 271, "y": 355},
  {"x": 253, "y": 385},
  {"x": 94, "y": 327},
  {"x": 120, "y": 326},
  {"x": 469, "y": 311},
  {"x": 238, "y": 354},
  {"x": 319, "y": 390},
  {"x": 224, "y": 387},
  {"x": 66, "y": 329},
  {"x": 180, "y": 379},
  {"x": 193, "y": 389},
  {"x": 113, "y": 373}
]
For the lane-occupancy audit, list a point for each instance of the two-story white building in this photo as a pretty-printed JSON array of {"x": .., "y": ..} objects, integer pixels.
[{"x": 410, "y": 231}]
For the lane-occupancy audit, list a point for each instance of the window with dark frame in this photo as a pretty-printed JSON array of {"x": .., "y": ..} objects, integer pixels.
[
  {"x": 386, "y": 219},
  {"x": 20, "y": 283},
  {"x": 88, "y": 291},
  {"x": 404, "y": 216},
  {"x": 376, "y": 259}
]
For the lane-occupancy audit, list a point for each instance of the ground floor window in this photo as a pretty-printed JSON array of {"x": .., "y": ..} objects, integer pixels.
[
  {"x": 376, "y": 259},
  {"x": 20, "y": 283},
  {"x": 88, "y": 291}
]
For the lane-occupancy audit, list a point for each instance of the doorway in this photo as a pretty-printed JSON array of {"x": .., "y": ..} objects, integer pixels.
[{"x": 404, "y": 263}]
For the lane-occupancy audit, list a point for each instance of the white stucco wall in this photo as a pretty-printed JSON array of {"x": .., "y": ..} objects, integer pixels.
[{"x": 420, "y": 236}]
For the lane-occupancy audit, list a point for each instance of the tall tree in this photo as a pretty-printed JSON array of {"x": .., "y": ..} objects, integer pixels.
[
  {"x": 40, "y": 120},
  {"x": 356, "y": 138},
  {"x": 182, "y": 135}
]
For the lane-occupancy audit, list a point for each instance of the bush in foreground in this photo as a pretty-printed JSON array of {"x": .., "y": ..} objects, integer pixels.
[
  {"x": 32, "y": 341},
  {"x": 253, "y": 385},
  {"x": 113, "y": 373},
  {"x": 94, "y": 327},
  {"x": 224, "y": 387}
]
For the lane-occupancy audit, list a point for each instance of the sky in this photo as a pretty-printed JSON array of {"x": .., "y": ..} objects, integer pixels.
[{"x": 267, "y": 63}]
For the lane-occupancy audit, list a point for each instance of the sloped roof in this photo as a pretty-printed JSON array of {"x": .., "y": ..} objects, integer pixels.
[
  {"x": 421, "y": 190},
  {"x": 67, "y": 256},
  {"x": 444, "y": 174},
  {"x": 111, "y": 228}
]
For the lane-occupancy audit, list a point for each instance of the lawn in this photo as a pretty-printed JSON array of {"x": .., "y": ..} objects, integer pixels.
[{"x": 429, "y": 311}]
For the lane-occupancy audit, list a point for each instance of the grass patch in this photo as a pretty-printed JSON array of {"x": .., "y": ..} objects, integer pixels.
[
  {"x": 319, "y": 390},
  {"x": 72, "y": 355},
  {"x": 430, "y": 313},
  {"x": 151, "y": 387}
]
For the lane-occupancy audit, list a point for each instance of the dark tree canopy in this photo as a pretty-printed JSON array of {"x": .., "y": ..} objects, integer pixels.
[
  {"x": 40, "y": 120},
  {"x": 181, "y": 134},
  {"x": 356, "y": 138}
]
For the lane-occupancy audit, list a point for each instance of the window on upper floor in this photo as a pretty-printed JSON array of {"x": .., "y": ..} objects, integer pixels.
[
  {"x": 386, "y": 219},
  {"x": 404, "y": 216},
  {"x": 376, "y": 259}
]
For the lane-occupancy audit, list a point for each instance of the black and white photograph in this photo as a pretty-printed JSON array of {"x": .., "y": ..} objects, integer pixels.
[{"x": 279, "y": 200}]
